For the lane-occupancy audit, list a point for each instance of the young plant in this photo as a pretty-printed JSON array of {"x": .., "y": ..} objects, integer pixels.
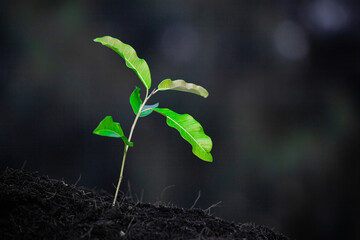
[{"x": 187, "y": 126}]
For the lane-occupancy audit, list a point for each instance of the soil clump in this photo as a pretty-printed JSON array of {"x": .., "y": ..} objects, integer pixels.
[{"x": 36, "y": 207}]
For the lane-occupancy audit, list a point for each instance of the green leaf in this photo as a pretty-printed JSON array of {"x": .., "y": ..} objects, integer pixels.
[
  {"x": 135, "y": 102},
  {"x": 108, "y": 128},
  {"x": 191, "y": 131},
  {"x": 148, "y": 109},
  {"x": 129, "y": 54},
  {"x": 181, "y": 85}
]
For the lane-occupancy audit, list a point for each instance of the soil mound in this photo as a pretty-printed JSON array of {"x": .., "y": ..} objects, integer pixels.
[{"x": 36, "y": 207}]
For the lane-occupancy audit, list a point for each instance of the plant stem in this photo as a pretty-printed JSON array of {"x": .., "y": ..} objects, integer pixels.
[
  {"x": 129, "y": 139},
  {"x": 121, "y": 175}
]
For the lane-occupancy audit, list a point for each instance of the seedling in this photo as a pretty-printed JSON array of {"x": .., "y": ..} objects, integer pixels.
[{"x": 187, "y": 126}]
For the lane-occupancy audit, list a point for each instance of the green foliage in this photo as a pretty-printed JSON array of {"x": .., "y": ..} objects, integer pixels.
[
  {"x": 181, "y": 85},
  {"x": 129, "y": 55},
  {"x": 188, "y": 127},
  {"x": 108, "y": 128},
  {"x": 135, "y": 102},
  {"x": 191, "y": 131},
  {"x": 147, "y": 109}
]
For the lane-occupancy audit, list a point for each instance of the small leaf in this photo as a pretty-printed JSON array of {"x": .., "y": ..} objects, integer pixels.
[
  {"x": 135, "y": 102},
  {"x": 191, "y": 131},
  {"x": 181, "y": 85},
  {"x": 139, "y": 65},
  {"x": 148, "y": 109},
  {"x": 108, "y": 128}
]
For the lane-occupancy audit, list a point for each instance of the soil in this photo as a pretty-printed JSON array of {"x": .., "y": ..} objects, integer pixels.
[{"x": 36, "y": 207}]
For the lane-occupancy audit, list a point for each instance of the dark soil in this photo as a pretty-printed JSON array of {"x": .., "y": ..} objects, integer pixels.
[{"x": 36, "y": 207}]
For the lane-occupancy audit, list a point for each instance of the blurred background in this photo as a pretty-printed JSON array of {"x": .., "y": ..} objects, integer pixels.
[{"x": 282, "y": 113}]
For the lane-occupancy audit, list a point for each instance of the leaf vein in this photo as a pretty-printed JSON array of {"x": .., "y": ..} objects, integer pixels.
[{"x": 187, "y": 133}]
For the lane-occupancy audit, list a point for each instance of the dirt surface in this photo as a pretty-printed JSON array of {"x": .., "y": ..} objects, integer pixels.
[{"x": 36, "y": 207}]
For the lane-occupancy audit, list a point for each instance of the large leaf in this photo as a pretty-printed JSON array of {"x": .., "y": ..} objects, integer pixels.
[
  {"x": 135, "y": 102},
  {"x": 191, "y": 131},
  {"x": 132, "y": 60},
  {"x": 108, "y": 128},
  {"x": 181, "y": 85}
]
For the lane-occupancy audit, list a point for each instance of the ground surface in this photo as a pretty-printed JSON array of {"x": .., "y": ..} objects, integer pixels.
[{"x": 36, "y": 207}]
